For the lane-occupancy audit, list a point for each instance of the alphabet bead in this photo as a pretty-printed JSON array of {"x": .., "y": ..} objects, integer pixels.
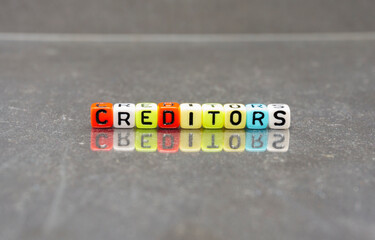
[
  {"x": 279, "y": 116},
  {"x": 124, "y": 115},
  {"x": 257, "y": 116},
  {"x": 278, "y": 140},
  {"x": 234, "y": 140},
  {"x": 101, "y": 115},
  {"x": 191, "y": 115},
  {"x": 212, "y": 140},
  {"x": 146, "y": 115},
  {"x": 213, "y": 115},
  {"x": 146, "y": 140},
  {"x": 190, "y": 140},
  {"x": 168, "y": 140},
  {"x": 101, "y": 139},
  {"x": 168, "y": 115},
  {"x": 123, "y": 140},
  {"x": 256, "y": 140},
  {"x": 235, "y": 116}
]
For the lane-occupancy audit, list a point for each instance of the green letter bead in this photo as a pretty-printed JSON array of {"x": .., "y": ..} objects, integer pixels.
[
  {"x": 146, "y": 115},
  {"x": 213, "y": 115}
]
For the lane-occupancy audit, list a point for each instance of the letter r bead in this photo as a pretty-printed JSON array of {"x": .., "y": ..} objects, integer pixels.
[
  {"x": 279, "y": 116},
  {"x": 101, "y": 115},
  {"x": 124, "y": 115}
]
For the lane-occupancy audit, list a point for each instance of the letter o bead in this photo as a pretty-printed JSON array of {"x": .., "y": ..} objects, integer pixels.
[
  {"x": 235, "y": 116},
  {"x": 124, "y": 115},
  {"x": 279, "y": 116},
  {"x": 213, "y": 115},
  {"x": 168, "y": 115},
  {"x": 101, "y": 115},
  {"x": 146, "y": 115}
]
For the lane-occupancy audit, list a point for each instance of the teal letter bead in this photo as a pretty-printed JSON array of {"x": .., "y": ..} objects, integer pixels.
[
  {"x": 256, "y": 140},
  {"x": 256, "y": 116}
]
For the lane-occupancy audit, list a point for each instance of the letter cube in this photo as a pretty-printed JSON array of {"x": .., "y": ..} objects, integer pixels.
[
  {"x": 101, "y": 139},
  {"x": 234, "y": 140},
  {"x": 191, "y": 115},
  {"x": 212, "y": 140},
  {"x": 235, "y": 116},
  {"x": 279, "y": 116},
  {"x": 190, "y": 140},
  {"x": 168, "y": 115},
  {"x": 146, "y": 115},
  {"x": 168, "y": 140},
  {"x": 123, "y": 140},
  {"x": 124, "y": 115},
  {"x": 257, "y": 116},
  {"x": 278, "y": 140},
  {"x": 146, "y": 140},
  {"x": 256, "y": 140},
  {"x": 101, "y": 115},
  {"x": 213, "y": 115}
]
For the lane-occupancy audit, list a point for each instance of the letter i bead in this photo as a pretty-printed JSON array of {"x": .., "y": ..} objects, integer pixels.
[
  {"x": 146, "y": 115},
  {"x": 191, "y": 115},
  {"x": 101, "y": 115},
  {"x": 124, "y": 115},
  {"x": 213, "y": 115},
  {"x": 257, "y": 116},
  {"x": 235, "y": 116},
  {"x": 168, "y": 115},
  {"x": 279, "y": 116}
]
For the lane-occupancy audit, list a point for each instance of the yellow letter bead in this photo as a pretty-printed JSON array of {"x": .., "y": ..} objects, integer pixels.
[
  {"x": 234, "y": 140},
  {"x": 213, "y": 115},
  {"x": 212, "y": 140},
  {"x": 146, "y": 115},
  {"x": 146, "y": 140},
  {"x": 235, "y": 116},
  {"x": 190, "y": 140},
  {"x": 191, "y": 115}
]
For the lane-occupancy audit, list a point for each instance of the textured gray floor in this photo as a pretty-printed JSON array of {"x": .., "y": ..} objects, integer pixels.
[{"x": 54, "y": 187}]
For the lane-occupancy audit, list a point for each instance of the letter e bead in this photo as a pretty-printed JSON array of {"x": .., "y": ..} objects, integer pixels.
[
  {"x": 146, "y": 115},
  {"x": 279, "y": 116}
]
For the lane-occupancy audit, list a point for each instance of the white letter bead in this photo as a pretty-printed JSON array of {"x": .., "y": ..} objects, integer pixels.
[
  {"x": 124, "y": 115},
  {"x": 190, "y": 115},
  {"x": 279, "y": 116}
]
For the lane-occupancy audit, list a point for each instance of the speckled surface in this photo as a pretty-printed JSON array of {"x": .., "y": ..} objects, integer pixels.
[{"x": 54, "y": 187}]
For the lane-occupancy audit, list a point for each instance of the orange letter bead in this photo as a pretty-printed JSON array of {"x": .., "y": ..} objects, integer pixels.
[
  {"x": 168, "y": 115},
  {"x": 101, "y": 115}
]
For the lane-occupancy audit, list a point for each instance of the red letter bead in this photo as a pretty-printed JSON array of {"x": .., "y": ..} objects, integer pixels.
[
  {"x": 101, "y": 115},
  {"x": 168, "y": 140},
  {"x": 168, "y": 115},
  {"x": 101, "y": 139}
]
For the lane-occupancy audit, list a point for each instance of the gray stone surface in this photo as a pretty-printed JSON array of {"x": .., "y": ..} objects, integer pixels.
[
  {"x": 54, "y": 187},
  {"x": 186, "y": 16}
]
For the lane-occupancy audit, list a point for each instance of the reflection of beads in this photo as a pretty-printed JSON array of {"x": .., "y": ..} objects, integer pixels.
[
  {"x": 189, "y": 140},
  {"x": 172, "y": 115}
]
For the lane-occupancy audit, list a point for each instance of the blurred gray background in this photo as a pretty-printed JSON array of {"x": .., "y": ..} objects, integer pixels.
[{"x": 186, "y": 16}]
